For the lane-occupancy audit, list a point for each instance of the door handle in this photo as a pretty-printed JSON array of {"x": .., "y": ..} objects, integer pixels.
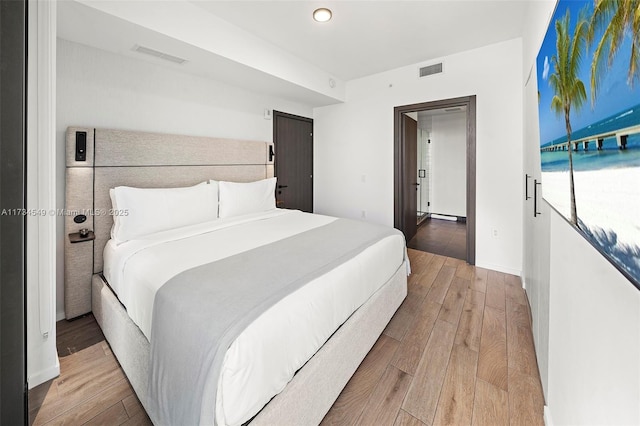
[
  {"x": 416, "y": 184},
  {"x": 535, "y": 197},
  {"x": 282, "y": 186}
]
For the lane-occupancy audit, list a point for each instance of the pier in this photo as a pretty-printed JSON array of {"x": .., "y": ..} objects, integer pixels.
[{"x": 621, "y": 140}]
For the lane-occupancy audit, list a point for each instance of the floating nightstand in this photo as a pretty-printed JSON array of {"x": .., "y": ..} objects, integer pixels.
[{"x": 79, "y": 237}]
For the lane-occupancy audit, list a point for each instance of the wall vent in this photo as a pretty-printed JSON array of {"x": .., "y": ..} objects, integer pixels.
[
  {"x": 158, "y": 54},
  {"x": 431, "y": 69}
]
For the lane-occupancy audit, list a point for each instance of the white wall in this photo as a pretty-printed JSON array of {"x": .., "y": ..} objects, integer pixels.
[
  {"x": 449, "y": 161},
  {"x": 536, "y": 263},
  {"x": 586, "y": 314},
  {"x": 424, "y": 162},
  {"x": 594, "y": 335},
  {"x": 354, "y": 144},
  {"x": 42, "y": 356},
  {"x": 101, "y": 89}
]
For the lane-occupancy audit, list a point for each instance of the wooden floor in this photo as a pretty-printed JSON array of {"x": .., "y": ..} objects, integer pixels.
[
  {"x": 443, "y": 237},
  {"x": 91, "y": 389},
  {"x": 458, "y": 351}
]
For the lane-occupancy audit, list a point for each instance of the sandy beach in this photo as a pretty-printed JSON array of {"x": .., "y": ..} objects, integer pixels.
[{"x": 608, "y": 199}]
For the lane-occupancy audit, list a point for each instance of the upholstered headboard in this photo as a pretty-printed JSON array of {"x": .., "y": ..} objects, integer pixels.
[{"x": 100, "y": 159}]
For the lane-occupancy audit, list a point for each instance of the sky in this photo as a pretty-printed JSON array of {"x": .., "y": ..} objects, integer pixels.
[{"x": 614, "y": 94}]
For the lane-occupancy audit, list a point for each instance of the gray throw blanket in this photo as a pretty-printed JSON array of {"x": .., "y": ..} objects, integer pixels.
[{"x": 200, "y": 312}]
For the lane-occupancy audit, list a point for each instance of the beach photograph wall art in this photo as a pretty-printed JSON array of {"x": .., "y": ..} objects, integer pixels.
[{"x": 588, "y": 71}]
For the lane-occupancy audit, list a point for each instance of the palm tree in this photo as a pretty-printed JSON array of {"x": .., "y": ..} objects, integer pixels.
[
  {"x": 569, "y": 89},
  {"x": 618, "y": 18}
]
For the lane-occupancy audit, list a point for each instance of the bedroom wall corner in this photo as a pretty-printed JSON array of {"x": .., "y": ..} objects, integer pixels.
[
  {"x": 354, "y": 147},
  {"x": 42, "y": 356}
]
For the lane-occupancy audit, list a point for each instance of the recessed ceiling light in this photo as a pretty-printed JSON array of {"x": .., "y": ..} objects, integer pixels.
[{"x": 322, "y": 15}]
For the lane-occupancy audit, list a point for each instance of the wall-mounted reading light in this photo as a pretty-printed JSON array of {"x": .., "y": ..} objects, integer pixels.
[{"x": 322, "y": 15}]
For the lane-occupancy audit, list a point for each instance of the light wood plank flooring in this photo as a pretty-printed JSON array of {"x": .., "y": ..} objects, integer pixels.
[
  {"x": 91, "y": 389},
  {"x": 459, "y": 351}
]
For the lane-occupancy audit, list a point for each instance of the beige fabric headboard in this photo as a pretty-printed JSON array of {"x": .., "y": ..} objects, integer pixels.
[{"x": 145, "y": 160}]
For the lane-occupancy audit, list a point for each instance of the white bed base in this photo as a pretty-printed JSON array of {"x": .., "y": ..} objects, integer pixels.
[{"x": 314, "y": 388}]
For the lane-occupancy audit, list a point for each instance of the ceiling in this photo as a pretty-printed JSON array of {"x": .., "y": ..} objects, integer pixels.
[
  {"x": 83, "y": 24},
  {"x": 368, "y": 37},
  {"x": 363, "y": 38}
]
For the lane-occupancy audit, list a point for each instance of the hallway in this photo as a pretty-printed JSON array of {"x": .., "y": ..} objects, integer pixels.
[{"x": 443, "y": 237}]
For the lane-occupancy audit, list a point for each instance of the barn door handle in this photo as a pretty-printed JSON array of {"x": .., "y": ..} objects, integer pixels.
[
  {"x": 282, "y": 186},
  {"x": 526, "y": 187}
]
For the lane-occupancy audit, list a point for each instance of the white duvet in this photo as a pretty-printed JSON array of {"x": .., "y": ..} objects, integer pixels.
[{"x": 264, "y": 358}]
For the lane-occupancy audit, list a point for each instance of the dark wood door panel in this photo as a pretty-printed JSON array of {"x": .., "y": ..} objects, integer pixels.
[
  {"x": 293, "y": 145},
  {"x": 402, "y": 163},
  {"x": 410, "y": 209}
]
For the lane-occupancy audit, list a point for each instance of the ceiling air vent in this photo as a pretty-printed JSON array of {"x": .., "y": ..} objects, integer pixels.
[
  {"x": 431, "y": 69},
  {"x": 158, "y": 54}
]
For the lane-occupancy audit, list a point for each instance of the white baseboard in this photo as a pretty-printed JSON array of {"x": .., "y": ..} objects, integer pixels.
[
  {"x": 547, "y": 416},
  {"x": 44, "y": 375},
  {"x": 499, "y": 268},
  {"x": 444, "y": 217}
]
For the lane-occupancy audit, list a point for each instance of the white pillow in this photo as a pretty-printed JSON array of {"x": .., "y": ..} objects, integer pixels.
[
  {"x": 242, "y": 198},
  {"x": 142, "y": 211}
]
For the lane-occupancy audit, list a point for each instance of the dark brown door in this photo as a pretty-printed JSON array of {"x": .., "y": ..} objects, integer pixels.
[
  {"x": 403, "y": 163},
  {"x": 293, "y": 143},
  {"x": 410, "y": 208}
]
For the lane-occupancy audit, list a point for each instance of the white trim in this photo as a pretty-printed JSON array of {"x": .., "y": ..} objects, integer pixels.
[
  {"x": 443, "y": 217},
  {"x": 46, "y": 142},
  {"x": 41, "y": 193},
  {"x": 44, "y": 375},
  {"x": 547, "y": 416},
  {"x": 499, "y": 268}
]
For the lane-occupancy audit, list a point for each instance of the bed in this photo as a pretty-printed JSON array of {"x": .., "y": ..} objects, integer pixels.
[{"x": 304, "y": 344}]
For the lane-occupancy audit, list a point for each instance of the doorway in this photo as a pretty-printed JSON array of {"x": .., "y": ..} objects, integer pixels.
[
  {"x": 412, "y": 182},
  {"x": 293, "y": 145}
]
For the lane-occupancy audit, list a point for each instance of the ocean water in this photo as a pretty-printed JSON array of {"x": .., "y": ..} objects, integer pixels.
[
  {"x": 611, "y": 226},
  {"x": 609, "y": 157}
]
